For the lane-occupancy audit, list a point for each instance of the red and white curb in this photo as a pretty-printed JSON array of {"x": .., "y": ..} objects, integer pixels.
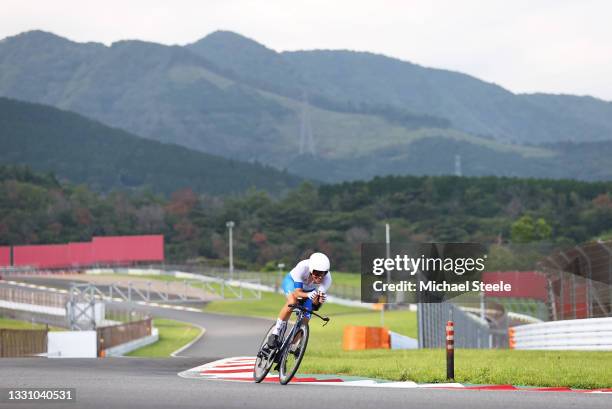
[{"x": 240, "y": 369}]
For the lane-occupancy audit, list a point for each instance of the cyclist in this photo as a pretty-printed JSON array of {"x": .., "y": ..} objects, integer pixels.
[{"x": 309, "y": 280}]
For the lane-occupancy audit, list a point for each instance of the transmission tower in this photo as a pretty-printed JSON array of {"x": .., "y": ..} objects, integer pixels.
[
  {"x": 306, "y": 138},
  {"x": 458, "y": 171}
]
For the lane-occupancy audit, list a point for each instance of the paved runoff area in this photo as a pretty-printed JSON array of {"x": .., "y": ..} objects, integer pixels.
[{"x": 153, "y": 383}]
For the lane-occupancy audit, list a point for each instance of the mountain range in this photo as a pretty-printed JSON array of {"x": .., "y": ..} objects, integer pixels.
[
  {"x": 81, "y": 150},
  {"x": 323, "y": 114}
]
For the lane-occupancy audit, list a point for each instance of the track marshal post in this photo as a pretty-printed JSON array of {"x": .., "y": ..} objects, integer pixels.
[{"x": 450, "y": 350}]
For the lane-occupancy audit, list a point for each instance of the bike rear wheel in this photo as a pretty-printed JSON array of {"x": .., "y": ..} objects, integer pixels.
[
  {"x": 293, "y": 354},
  {"x": 265, "y": 359}
]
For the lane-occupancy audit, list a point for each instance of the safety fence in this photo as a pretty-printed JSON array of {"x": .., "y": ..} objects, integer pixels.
[
  {"x": 56, "y": 309},
  {"x": 28, "y": 296},
  {"x": 59, "y": 321},
  {"x": 40, "y": 307},
  {"x": 270, "y": 279},
  {"x": 580, "y": 281},
  {"x": 471, "y": 331},
  {"x": 175, "y": 286},
  {"x": 22, "y": 342},
  {"x": 114, "y": 335},
  {"x": 582, "y": 334}
]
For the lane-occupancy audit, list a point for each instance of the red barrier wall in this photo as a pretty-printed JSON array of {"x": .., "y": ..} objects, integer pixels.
[
  {"x": 41, "y": 256},
  {"x": 525, "y": 284},
  {"x": 127, "y": 249},
  {"x": 102, "y": 250},
  {"x": 5, "y": 256},
  {"x": 80, "y": 254}
]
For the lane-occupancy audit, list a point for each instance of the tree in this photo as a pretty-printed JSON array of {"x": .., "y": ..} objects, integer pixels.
[{"x": 526, "y": 230}]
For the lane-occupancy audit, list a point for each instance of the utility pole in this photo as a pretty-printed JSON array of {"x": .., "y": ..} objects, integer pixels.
[
  {"x": 280, "y": 266},
  {"x": 230, "y": 226},
  {"x": 387, "y": 255}
]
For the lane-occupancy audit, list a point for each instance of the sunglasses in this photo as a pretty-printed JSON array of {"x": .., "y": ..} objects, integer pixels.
[{"x": 319, "y": 273}]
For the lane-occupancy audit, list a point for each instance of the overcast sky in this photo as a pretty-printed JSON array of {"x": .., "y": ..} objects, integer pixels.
[{"x": 555, "y": 46}]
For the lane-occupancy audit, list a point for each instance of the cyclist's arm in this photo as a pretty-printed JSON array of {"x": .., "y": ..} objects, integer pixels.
[{"x": 299, "y": 290}]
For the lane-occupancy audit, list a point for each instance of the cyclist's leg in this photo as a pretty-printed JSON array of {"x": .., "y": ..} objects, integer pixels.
[
  {"x": 308, "y": 304},
  {"x": 284, "y": 314}
]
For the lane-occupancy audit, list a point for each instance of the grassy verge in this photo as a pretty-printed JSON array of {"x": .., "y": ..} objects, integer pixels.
[
  {"x": 529, "y": 368},
  {"x": 172, "y": 336},
  {"x": 8, "y": 323}
]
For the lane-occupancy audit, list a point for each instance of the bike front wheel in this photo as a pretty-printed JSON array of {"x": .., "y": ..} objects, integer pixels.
[
  {"x": 293, "y": 354},
  {"x": 265, "y": 359}
]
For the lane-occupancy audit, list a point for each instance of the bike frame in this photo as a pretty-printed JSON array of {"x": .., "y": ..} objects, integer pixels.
[
  {"x": 277, "y": 355},
  {"x": 294, "y": 330},
  {"x": 299, "y": 310}
]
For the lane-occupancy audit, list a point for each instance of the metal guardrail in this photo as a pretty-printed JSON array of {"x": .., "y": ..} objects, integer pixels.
[
  {"x": 132, "y": 292},
  {"x": 41, "y": 307},
  {"x": 150, "y": 291},
  {"x": 22, "y": 342},
  {"x": 46, "y": 306},
  {"x": 242, "y": 286},
  {"x": 269, "y": 279},
  {"x": 584, "y": 334}
]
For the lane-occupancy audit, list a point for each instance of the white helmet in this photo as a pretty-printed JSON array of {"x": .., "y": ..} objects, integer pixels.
[{"x": 319, "y": 262}]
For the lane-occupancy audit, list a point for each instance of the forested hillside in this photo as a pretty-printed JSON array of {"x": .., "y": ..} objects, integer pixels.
[
  {"x": 104, "y": 158},
  {"x": 336, "y": 219}
]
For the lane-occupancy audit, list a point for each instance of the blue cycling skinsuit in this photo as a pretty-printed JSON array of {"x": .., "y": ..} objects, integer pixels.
[{"x": 299, "y": 277}]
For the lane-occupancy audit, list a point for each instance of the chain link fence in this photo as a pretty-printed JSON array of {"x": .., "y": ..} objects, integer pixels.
[{"x": 471, "y": 331}]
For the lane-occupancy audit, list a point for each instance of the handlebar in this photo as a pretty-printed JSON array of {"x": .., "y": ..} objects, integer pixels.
[{"x": 302, "y": 308}]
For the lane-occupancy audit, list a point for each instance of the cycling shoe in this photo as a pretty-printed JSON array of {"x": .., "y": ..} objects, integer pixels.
[{"x": 273, "y": 341}]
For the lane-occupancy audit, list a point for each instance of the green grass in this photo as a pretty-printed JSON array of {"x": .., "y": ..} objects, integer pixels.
[
  {"x": 8, "y": 323},
  {"x": 529, "y": 368},
  {"x": 346, "y": 279},
  {"x": 575, "y": 369},
  {"x": 172, "y": 336}
]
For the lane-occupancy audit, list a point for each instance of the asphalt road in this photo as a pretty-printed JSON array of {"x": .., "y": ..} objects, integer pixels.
[{"x": 153, "y": 383}]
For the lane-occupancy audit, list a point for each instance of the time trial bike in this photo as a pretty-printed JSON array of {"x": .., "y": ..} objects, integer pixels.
[{"x": 289, "y": 354}]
